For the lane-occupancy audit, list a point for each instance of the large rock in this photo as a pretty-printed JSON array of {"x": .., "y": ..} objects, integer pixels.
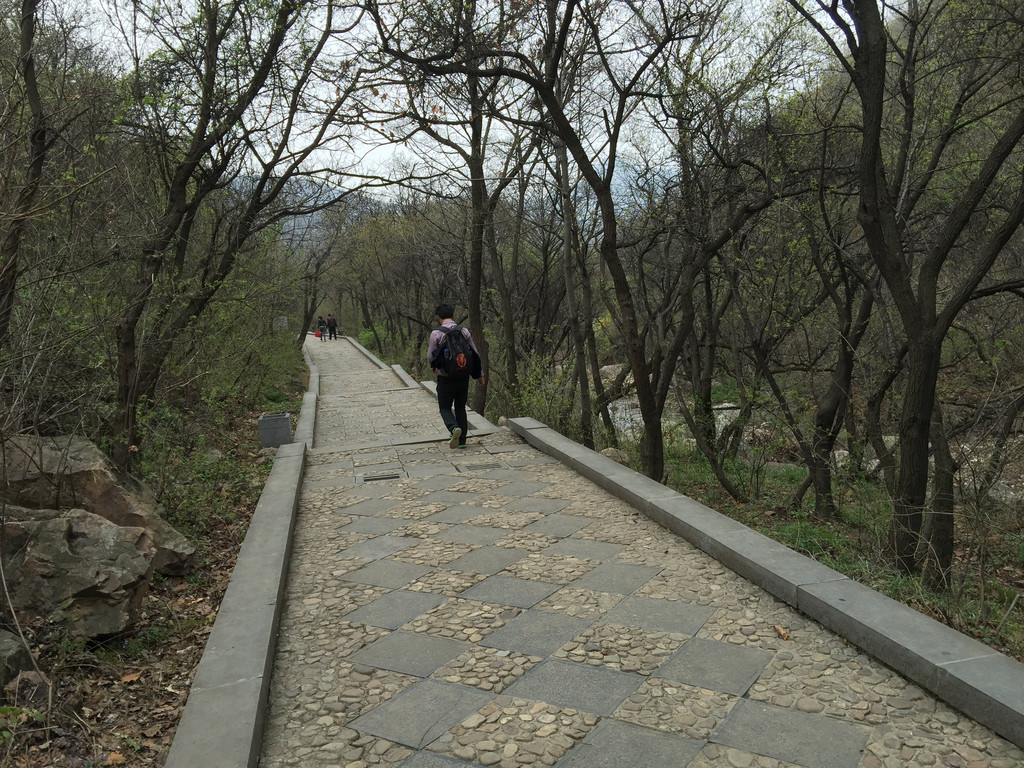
[
  {"x": 615, "y": 454},
  {"x": 14, "y": 658},
  {"x": 77, "y": 566},
  {"x": 71, "y": 472}
]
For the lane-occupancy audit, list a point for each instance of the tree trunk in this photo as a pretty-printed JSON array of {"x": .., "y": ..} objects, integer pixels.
[
  {"x": 938, "y": 552},
  {"x": 912, "y": 476},
  {"x": 39, "y": 144}
]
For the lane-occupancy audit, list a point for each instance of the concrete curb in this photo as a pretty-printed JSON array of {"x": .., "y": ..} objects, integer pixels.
[
  {"x": 222, "y": 723},
  {"x": 408, "y": 380},
  {"x": 369, "y": 355},
  {"x": 476, "y": 422},
  {"x": 984, "y": 684},
  {"x": 307, "y": 416}
]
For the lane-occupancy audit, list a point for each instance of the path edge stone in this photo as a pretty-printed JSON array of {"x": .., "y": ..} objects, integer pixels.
[
  {"x": 984, "y": 684},
  {"x": 222, "y": 722}
]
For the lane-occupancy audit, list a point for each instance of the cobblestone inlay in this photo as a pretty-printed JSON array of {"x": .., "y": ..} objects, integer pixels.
[
  {"x": 555, "y": 569},
  {"x": 582, "y": 603},
  {"x": 511, "y": 733},
  {"x": 813, "y": 672},
  {"x": 318, "y": 458},
  {"x": 716, "y": 756},
  {"x": 343, "y": 502},
  {"x": 355, "y": 690},
  {"x": 489, "y": 669},
  {"x": 493, "y": 501},
  {"x": 413, "y": 511},
  {"x": 445, "y": 581},
  {"x": 479, "y": 485},
  {"x": 308, "y": 643},
  {"x": 507, "y": 520},
  {"x": 630, "y": 529},
  {"x": 337, "y": 747},
  {"x": 347, "y": 539},
  {"x": 699, "y": 579},
  {"x": 422, "y": 529},
  {"x": 344, "y": 565},
  {"x": 531, "y": 542},
  {"x": 406, "y": 493},
  {"x": 467, "y": 620},
  {"x": 676, "y": 708},
  {"x": 628, "y": 649},
  {"x": 819, "y": 673},
  {"x": 433, "y": 552}
]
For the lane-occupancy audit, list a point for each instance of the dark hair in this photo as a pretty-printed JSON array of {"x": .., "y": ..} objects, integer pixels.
[{"x": 445, "y": 311}]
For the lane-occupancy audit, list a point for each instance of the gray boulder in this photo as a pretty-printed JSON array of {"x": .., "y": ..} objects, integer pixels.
[
  {"x": 616, "y": 455},
  {"x": 71, "y": 472},
  {"x": 76, "y": 566},
  {"x": 13, "y": 657}
]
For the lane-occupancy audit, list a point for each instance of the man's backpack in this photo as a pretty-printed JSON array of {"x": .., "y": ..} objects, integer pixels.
[{"x": 454, "y": 355}]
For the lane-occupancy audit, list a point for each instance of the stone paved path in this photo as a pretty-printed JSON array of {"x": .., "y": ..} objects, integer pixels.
[{"x": 490, "y": 607}]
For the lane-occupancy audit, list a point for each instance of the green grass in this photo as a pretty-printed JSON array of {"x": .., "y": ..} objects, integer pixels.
[{"x": 854, "y": 544}]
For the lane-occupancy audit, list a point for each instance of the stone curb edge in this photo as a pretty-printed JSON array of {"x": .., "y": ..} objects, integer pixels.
[
  {"x": 476, "y": 422},
  {"x": 367, "y": 353},
  {"x": 982, "y": 683},
  {"x": 222, "y": 723}
]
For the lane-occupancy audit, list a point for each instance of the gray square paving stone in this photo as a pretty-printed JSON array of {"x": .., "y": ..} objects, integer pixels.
[
  {"x": 447, "y": 497},
  {"x": 510, "y": 475},
  {"x": 429, "y": 760},
  {"x": 521, "y": 488},
  {"x": 439, "y": 483},
  {"x": 564, "y": 684},
  {"x": 371, "y": 506},
  {"x": 409, "y": 653},
  {"x": 395, "y": 609},
  {"x": 376, "y": 525},
  {"x": 617, "y": 578},
  {"x": 381, "y": 547},
  {"x": 470, "y": 534},
  {"x": 508, "y": 590},
  {"x": 536, "y": 633},
  {"x": 717, "y": 666},
  {"x": 614, "y": 744},
  {"x": 421, "y": 713},
  {"x": 387, "y": 573},
  {"x": 534, "y": 504},
  {"x": 814, "y": 741},
  {"x": 557, "y": 526},
  {"x": 487, "y": 560},
  {"x": 459, "y": 514},
  {"x": 659, "y": 615}
]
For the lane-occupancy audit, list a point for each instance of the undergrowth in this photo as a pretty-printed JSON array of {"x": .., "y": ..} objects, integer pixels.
[
  {"x": 117, "y": 700},
  {"x": 854, "y": 543}
]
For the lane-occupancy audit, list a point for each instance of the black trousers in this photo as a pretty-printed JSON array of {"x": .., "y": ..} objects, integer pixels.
[{"x": 452, "y": 393}]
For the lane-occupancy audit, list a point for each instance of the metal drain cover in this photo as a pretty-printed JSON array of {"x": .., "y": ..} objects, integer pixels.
[{"x": 381, "y": 476}]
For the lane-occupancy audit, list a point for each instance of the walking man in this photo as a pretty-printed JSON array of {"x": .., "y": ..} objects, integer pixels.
[
  {"x": 452, "y": 382},
  {"x": 332, "y": 327}
]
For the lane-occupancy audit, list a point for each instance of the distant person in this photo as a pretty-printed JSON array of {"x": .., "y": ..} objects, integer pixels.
[
  {"x": 454, "y": 358},
  {"x": 321, "y": 327},
  {"x": 332, "y": 327}
]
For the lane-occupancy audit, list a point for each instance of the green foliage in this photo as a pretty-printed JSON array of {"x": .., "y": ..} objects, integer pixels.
[
  {"x": 200, "y": 476},
  {"x": 13, "y": 718},
  {"x": 545, "y": 395}
]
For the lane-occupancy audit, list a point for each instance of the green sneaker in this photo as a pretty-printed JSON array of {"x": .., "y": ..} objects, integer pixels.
[
  {"x": 456, "y": 434},
  {"x": 462, "y": 447}
]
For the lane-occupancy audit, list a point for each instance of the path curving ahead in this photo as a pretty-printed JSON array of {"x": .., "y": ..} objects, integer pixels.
[{"x": 493, "y": 607}]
